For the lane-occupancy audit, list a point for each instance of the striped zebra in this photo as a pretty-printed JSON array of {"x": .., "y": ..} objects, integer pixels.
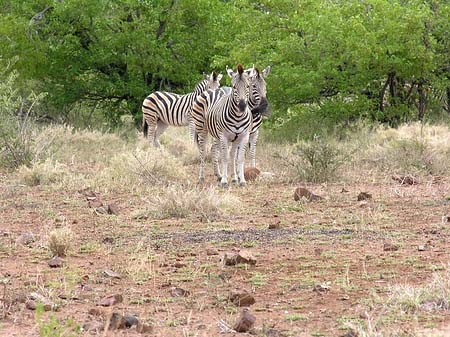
[
  {"x": 258, "y": 105},
  {"x": 227, "y": 118},
  {"x": 161, "y": 109}
]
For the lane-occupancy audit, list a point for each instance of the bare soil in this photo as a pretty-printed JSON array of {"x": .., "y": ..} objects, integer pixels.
[{"x": 322, "y": 264}]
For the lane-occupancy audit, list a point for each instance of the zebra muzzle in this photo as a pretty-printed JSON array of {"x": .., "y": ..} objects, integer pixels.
[{"x": 242, "y": 105}]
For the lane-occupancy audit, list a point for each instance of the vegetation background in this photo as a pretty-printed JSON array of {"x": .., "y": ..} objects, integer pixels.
[{"x": 334, "y": 62}]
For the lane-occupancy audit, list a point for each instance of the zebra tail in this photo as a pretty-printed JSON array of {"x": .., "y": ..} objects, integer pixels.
[{"x": 145, "y": 127}]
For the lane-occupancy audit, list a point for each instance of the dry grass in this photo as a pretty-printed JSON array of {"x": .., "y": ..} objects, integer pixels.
[
  {"x": 182, "y": 202},
  {"x": 60, "y": 241}
]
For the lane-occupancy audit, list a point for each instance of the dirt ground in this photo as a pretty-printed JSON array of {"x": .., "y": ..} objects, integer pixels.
[{"x": 324, "y": 263}]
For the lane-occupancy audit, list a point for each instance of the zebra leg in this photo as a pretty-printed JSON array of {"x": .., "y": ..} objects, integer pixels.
[
  {"x": 241, "y": 158},
  {"x": 252, "y": 143},
  {"x": 151, "y": 124},
  {"x": 224, "y": 152},
  {"x": 215, "y": 159},
  {"x": 191, "y": 129},
  {"x": 160, "y": 128},
  {"x": 234, "y": 151},
  {"x": 201, "y": 140}
]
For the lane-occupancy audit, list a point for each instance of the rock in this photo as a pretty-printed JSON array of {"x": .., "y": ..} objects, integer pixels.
[
  {"x": 112, "y": 209},
  {"x": 94, "y": 326},
  {"x": 390, "y": 247},
  {"x": 30, "y": 305},
  {"x": 241, "y": 298},
  {"x": 230, "y": 259},
  {"x": 344, "y": 190},
  {"x": 34, "y": 299},
  {"x": 179, "y": 292},
  {"x": 179, "y": 264},
  {"x": 101, "y": 210},
  {"x": 130, "y": 320},
  {"x": 251, "y": 173},
  {"x": 95, "y": 203},
  {"x": 224, "y": 276},
  {"x": 405, "y": 180},
  {"x": 96, "y": 312},
  {"x": 110, "y": 300},
  {"x": 245, "y": 256},
  {"x": 144, "y": 328},
  {"x": 303, "y": 193},
  {"x": 364, "y": 196},
  {"x": 55, "y": 262},
  {"x": 112, "y": 274},
  {"x": 117, "y": 321},
  {"x": 421, "y": 248},
  {"x": 108, "y": 240},
  {"x": 350, "y": 333},
  {"x": 321, "y": 288},
  {"x": 25, "y": 239},
  {"x": 245, "y": 321},
  {"x": 211, "y": 251},
  {"x": 276, "y": 225}
]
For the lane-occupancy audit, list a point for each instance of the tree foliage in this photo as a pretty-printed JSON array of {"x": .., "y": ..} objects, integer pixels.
[{"x": 334, "y": 60}]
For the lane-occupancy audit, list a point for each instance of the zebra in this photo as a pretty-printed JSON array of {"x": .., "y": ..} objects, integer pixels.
[
  {"x": 161, "y": 109},
  {"x": 258, "y": 105},
  {"x": 227, "y": 118}
]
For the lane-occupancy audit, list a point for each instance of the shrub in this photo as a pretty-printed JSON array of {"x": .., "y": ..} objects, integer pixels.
[
  {"x": 317, "y": 160},
  {"x": 179, "y": 202},
  {"x": 60, "y": 241}
]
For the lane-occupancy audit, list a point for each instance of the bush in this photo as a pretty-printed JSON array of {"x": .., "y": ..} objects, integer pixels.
[
  {"x": 60, "y": 241},
  {"x": 179, "y": 202},
  {"x": 16, "y": 124},
  {"x": 316, "y": 161}
]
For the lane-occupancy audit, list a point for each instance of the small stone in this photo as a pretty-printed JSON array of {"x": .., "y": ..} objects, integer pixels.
[
  {"x": 94, "y": 326},
  {"x": 179, "y": 264},
  {"x": 25, "y": 239},
  {"x": 405, "y": 180},
  {"x": 364, "y": 196},
  {"x": 112, "y": 209},
  {"x": 96, "y": 312},
  {"x": 241, "y": 298},
  {"x": 55, "y": 262},
  {"x": 110, "y": 300},
  {"x": 179, "y": 292},
  {"x": 144, "y": 328},
  {"x": 344, "y": 190},
  {"x": 276, "y": 225},
  {"x": 321, "y": 288},
  {"x": 39, "y": 299},
  {"x": 245, "y": 321},
  {"x": 303, "y": 193},
  {"x": 101, "y": 210},
  {"x": 108, "y": 240},
  {"x": 224, "y": 276},
  {"x": 251, "y": 173},
  {"x": 211, "y": 251},
  {"x": 95, "y": 203},
  {"x": 390, "y": 247},
  {"x": 112, "y": 274},
  {"x": 230, "y": 259},
  {"x": 130, "y": 320},
  {"x": 245, "y": 256},
  {"x": 30, "y": 305},
  {"x": 117, "y": 321},
  {"x": 421, "y": 248}
]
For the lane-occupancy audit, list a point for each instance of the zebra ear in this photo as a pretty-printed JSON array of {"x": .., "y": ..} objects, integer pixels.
[
  {"x": 219, "y": 77},
  {"x": 230, "y": 72},
  {"x": 205, "y": 76},
  {"x": 213, "y": 76},
  {"x": 266, "y": 71}
]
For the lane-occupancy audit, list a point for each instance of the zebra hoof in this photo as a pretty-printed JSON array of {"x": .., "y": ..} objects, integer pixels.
[
  {"x": 234, "y": 181},
  {"x": 201, "y": 181},
  {"x": 223, "y": 185},
  {"x": 242, "y": 184},
  {"x": 219, "y": 178}
]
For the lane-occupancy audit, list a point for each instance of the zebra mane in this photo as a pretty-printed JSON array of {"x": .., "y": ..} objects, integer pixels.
[
  {"x": 240, "y": 69},
  {"x": 214, "y": 76}
]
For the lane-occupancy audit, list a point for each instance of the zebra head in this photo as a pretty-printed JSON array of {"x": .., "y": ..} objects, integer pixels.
[
  {"x": 240, "y": 87},
  {"x": 213, "y": 81},
  {"x": 258, "y": 101}
]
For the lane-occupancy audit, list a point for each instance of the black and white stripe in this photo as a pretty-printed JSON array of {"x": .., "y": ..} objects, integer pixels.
[
  {"x": 228, "y": 119},
  {"x": 161, "y": 109}
]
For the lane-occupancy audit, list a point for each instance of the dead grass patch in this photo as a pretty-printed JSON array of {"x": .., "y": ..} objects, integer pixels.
[{"x": 60, "y": 241}]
